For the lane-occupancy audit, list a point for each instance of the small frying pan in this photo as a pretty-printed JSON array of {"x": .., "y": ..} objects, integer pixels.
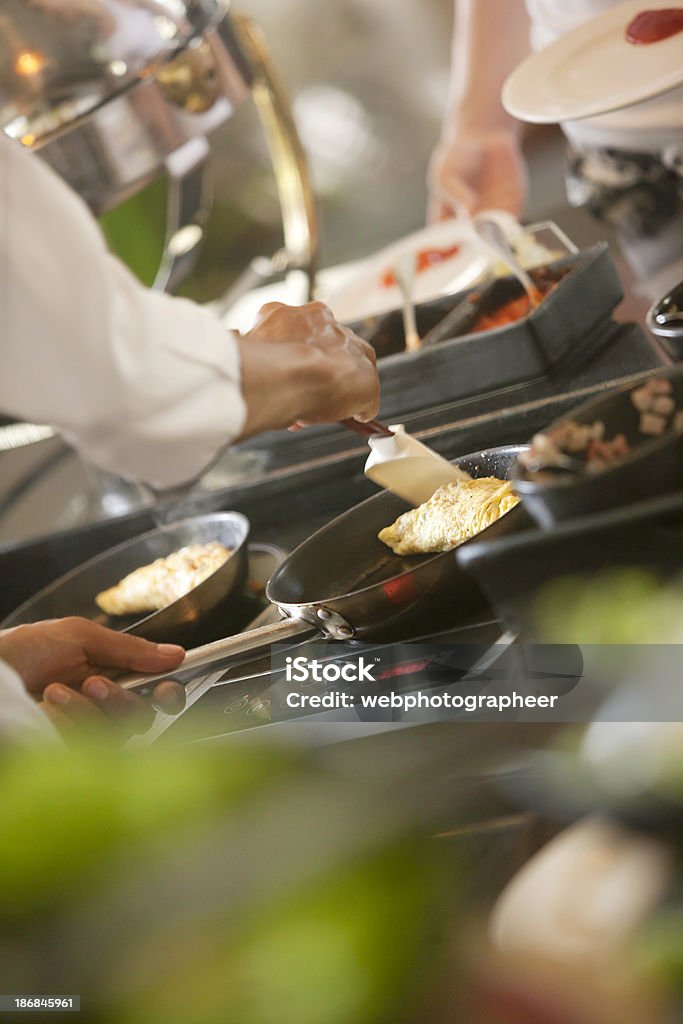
[
  {"x": 345, "y": 584},
  {"x": 74, "y": 594}
]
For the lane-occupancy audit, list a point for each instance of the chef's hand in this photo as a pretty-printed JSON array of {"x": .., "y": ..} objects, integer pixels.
[
  {"x": 474, "y": 171},
  {"x": 100, "y": 703},
  {"x": 300, "y": 366},
  {"x": 71, "y": 649}
]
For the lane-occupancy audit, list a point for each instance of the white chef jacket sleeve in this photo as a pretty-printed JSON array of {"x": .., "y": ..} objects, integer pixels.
[
  {"x": 20, "y": 719},
  {"x": 141, "y": 383}
]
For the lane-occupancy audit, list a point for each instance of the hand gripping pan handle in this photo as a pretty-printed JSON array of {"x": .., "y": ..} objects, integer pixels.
[{"x": 221, "y": 651}]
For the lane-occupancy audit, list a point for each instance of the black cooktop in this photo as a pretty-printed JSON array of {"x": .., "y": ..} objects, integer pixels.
[{"x": 253, "y": 695}]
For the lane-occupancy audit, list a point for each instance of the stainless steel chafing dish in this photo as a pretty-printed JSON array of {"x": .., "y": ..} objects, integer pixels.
[{"x": 115, "y": 93}]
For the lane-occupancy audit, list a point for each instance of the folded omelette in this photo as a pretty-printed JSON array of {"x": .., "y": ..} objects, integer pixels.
[
  {"x": 453, "y": 514},
  {"x": 152, "y": 587}
]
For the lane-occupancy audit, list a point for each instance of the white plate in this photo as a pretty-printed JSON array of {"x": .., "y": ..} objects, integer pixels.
[
  {"x": 593, "y": 70},
  {"x": 366, "y": 296},
  {"x": 363, "y": 294}
]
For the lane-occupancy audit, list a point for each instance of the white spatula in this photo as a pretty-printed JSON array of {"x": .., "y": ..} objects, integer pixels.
[{"x": 402, "y": 464}]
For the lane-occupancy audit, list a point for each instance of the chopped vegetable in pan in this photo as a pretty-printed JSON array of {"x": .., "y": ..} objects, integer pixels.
[{"x": 658, "y": 414}]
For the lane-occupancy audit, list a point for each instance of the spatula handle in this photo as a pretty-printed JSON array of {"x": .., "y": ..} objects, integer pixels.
[{"x": 370, "y": 429}]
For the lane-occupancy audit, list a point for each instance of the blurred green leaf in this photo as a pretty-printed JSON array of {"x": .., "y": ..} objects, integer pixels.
[
  {"x": 659, "y": 950},
  {"x": 620, "y": 606},
  {"x": 351, "y": 939},
  {"x": 352, "y": 949},
  {"x": 64, "y": 814}
]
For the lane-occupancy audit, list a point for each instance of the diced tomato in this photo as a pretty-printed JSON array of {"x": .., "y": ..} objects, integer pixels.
[{"x": 424, "y": 259}]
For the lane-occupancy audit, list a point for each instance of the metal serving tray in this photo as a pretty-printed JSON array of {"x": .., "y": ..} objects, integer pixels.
[{"x": 566, "y": 326}]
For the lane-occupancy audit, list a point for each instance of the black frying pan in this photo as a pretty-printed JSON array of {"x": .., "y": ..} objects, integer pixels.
[
  {"x": 344, "y": 583},
  {"x": 74, "y": 593}
]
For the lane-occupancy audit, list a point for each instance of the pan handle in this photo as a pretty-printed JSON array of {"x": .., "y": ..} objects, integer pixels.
[{"x": 250, "y": 642}]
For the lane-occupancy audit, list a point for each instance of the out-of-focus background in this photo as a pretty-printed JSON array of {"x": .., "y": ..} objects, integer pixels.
[{"x": 368, "y": 80}]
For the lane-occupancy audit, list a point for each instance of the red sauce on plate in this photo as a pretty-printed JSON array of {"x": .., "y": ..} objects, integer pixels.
[
  {"x": 424, "y": 259},
  {"x": 653, "y": 26}
]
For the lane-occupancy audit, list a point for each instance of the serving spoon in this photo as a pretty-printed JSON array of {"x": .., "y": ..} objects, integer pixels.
[
  {"x": 561, "y": 464},
  {"x": 404, "y": 272},
  {"x": 675, "y": 316},
  {"x": 544, "y": 456},
  {"x": 493, "y": 236}
]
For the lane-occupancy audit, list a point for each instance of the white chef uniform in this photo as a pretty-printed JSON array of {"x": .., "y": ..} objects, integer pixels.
[
  {"x": 20, "y": 719},
  {"x": 141, "y": 383}
]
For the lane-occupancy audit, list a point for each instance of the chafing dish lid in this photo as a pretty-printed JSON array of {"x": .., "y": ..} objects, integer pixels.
[{"x": 62, "y": 59}]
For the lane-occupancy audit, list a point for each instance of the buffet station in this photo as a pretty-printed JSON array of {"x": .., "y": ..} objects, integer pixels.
[
  {"x": 306, "y": 565},
  {"x": 497, "y": 349},
  {"x": 453, "y": 559}
]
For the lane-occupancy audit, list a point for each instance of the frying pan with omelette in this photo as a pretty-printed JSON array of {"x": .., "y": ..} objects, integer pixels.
[
  {"x": 205, "y": 537},
  {"x": 345, "y": 583}
]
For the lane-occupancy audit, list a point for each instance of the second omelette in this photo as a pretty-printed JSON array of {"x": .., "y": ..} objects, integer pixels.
[
  {"x": 453, "y": 514},
  {"x": 152, "y": 587}
]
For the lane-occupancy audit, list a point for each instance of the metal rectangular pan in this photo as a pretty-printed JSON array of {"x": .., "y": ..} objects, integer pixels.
[{"x": 572, "y": 316}]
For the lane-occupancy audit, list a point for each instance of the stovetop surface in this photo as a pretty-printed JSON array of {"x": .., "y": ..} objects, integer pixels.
[
  {"x": 253, "y": 695},
  {"x": 250, "y": 694}
]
